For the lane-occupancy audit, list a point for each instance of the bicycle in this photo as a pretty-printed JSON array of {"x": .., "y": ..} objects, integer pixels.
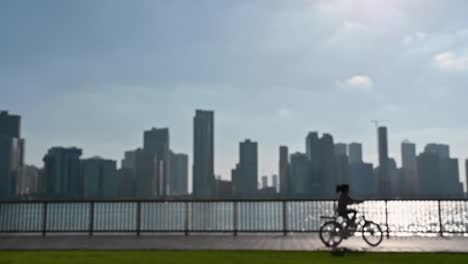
[{"x": 334, "y": 231}]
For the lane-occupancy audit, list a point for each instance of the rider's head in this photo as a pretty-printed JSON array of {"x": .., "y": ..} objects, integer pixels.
[{"x": 342, "y": 188}]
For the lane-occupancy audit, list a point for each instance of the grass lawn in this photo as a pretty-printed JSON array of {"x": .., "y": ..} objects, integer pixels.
[{"x": 223, "y": 257}]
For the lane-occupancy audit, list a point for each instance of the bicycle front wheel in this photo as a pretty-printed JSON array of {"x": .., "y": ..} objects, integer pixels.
[
  {"x": 330, "y": 234},
  {"x": 372, "y": 233}
]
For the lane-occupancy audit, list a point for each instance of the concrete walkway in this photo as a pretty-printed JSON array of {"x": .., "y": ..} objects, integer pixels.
[{"x": 226, "y": 242}]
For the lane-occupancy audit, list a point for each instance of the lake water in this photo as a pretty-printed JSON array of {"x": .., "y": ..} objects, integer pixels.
[{"x": 259, "y": 216}]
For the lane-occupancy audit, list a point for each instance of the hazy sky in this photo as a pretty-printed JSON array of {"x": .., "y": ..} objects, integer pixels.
[{"x": 95, "y": 74}]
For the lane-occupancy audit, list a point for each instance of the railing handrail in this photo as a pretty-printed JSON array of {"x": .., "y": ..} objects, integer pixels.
[{"x": 216, "y": 200}]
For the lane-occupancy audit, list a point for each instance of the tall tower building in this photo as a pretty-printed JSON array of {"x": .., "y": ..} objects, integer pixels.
[
  {"x": 10, "y": 125},
  {"x": 11, "y": 154},
  {"x": 409, "y": 170},
  {"x": 179, "y": 174},
  {"x": 355, "y": 153},
  {"x": 99, "y": 178},
  {"x": 264, "y": 182},
  {"x": 283, "y": 170},
  {"x": 327, "y": 167},
  {"x": 156, "y": 143},
  {"x": 274, "y": 182},
  {"x": 62, "y": 177},
  {"x": 341, "y": 149},
  {"x": 299, "y": 183},
  {"x": 384, "y": 185},
  {"x": 246, "y": 181},
  {"x": 203, "y": 155}
]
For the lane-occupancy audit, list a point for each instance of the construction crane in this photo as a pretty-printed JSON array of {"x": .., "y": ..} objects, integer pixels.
[{"x": 377, "y": 122}]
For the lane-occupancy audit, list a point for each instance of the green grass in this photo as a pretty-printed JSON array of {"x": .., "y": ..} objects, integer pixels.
[{"x": 222, "y": 257}]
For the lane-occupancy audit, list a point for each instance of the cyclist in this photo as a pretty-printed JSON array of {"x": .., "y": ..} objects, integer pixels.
[{"x": 343, "y": 201}]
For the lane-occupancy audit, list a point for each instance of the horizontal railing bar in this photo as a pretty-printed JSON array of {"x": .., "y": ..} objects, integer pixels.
[{"x": 215, "y": 200}]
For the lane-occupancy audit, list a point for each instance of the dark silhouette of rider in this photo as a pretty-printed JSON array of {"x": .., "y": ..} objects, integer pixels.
[{"x": 343, "y": 201}]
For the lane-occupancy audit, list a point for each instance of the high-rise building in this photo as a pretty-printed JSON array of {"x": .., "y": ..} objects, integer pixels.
[
  {"x": 11, "y": 154},
  {"x": 283, "y": 170},
  {"x": 299, "y": 178},
  {"x": 179, "y": 174},
  {"x": 203, "y": 154},
  {"x": 99, "y": 178},
  {"x": 246, "y": 180},
  {"x": 62, "y": 177},
  {"x": 129, "y": 159},
  {"x": 264, "y": 182},
  {"x": 341, "y": 149},
  {"x": 327, "y": 178},
  {"x": 126, "y": 175},
  {"x": 146, "y": 186},
  {"x": 384, "y": 185},
  {"x": 27, "y": 183},
  {"x": 362, "y": 180},
  {"x": 355, "y": 153},
  {"x": 438, "y": 175},
  {"x": 156, "y": 143},
  {"x": 409, "y": 171},
  {"x": 10, "y": 125},
  {"x": 274, "y": 182},
  {"x": 343, "y": 170},
  {"x": 10, "y": 164},
  {"x": 441, "y": 150}
]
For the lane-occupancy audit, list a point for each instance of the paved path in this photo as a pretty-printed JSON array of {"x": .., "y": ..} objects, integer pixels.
[{"x": 226, "y": 242}]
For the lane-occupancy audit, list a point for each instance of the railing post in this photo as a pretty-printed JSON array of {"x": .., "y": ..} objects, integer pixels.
[
  {"x": 138, "y": 218},
  {"x": 44, "y": 219},
  {"x": 441, "y": 231},
  {"x": 386, "y": 219},
  {"x": 186, "y": 219},
  {"x": 91, "y": 219},
  {"x": 235, "y": 216},
  {"x": 285, "y": 219}
]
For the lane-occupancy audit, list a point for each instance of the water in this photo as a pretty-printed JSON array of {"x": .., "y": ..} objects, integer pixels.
[{"x": 252, "y": 216}]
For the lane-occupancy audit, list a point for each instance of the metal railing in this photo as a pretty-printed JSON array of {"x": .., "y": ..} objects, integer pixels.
[{"x": 224, "y": 216}]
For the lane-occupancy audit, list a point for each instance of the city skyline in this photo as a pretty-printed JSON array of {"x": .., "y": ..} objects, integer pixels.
[
  {"x": 339, "y": 144},
  {"x": 284, "y": 69}
]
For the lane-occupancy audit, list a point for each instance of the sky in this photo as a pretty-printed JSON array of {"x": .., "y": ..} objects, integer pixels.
[{"x": 96, "y": 74}]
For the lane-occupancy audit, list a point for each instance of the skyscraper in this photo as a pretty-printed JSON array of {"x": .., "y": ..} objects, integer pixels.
[
  {"x": 246, "y": 180},
  {"x": 62, "y": 177},
  {"x": 438, "y": 174},
  {"x": 99, "y": 178},
  {"x": 10, "y": 164},
  {"x": 283, "y": 170},
  {"x": 327, "y": 179},
  {"x": 383, "y": 171},
  {"x": 341, "y": 149},
  {"x": 10, "y": 125},
  {"x": 441, "y": 150},
  {"x": 203, "y": 154},
  {"x": 156, "y": 143},
  {"x": 274, "y": 182},
  {"x": 299, "y": 180},
  {"x": 355, "y": 153},
  {"x": 11, "y": 154},
  {"x": 146, "y": 163},
  {"x": 126, "y": 175},
  {"x": 264, "y": 182},
  {"x": 409, "y": 170},
  {"x": 179, "y": 174}
]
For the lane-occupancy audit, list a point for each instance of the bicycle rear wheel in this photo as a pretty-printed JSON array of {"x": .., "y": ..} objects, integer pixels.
[
  {"x": 330, "y": 234},
  {"x": 372, "y": 233}
]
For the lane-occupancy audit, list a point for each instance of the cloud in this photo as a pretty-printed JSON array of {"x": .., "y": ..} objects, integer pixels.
[
  {"x": 359, "y": 82},
  {"x": 354, "y": 26},
  {"x": 414, "y": 38},
  {"x": 450, "y": 61},
  {"x": 285, "y": 113}
]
